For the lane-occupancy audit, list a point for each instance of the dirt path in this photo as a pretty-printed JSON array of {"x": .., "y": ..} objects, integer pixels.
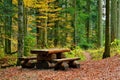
[{"x": 87, "y": 54}]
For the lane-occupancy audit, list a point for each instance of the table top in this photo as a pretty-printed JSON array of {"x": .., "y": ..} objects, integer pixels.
[{"x": 49, "y": 51}]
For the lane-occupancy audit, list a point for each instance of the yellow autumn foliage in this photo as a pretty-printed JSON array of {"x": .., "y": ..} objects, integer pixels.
[{"x": 27, "y": 3}]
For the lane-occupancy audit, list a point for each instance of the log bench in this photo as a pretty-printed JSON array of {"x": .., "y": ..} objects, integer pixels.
[
  {"x": 65, "y": 63},
  {"x": 27, "y": 62}
]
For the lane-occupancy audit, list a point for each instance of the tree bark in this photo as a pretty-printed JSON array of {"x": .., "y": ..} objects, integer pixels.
[
  {"x": 20, "y": 29},
  {"x": 38, "y": 30},
  {"x": 8, "y": 25},
  {"x": 113, "y": 20},
  {"x": 118, "y": 24},
  {"x": 100, "y": 27},
  {"x": 45, "y": 28},
  {"x": 88, "y": 20},
  {"x": 75, "y": 27},
  {"x": 107, "y": 31}
]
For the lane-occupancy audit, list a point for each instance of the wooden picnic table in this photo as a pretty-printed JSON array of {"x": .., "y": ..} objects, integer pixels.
[
  {"x": 50, "y": 58},
  {"x": 49, "y": 54},
  {"x": 46, "y": 56}
]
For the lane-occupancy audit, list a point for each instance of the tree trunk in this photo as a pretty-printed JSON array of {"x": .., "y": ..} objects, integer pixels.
[
  {"x": 75, "y": 27},
  {"x": 25, "y": 12},
  {"x": 8, "y": 25},
  {"x": 1, "y": 39},
  {"x": 88, "y": 20},
  {"x": 118, "y": 24},
  {"x": 56, "y": 34},
  {"x": 113, "y": 20},
  {"x": 45, "y": 29},
  {"x": 20, "y": 29},
  {"x": 38, "y": 30},
  {"x": 25, "y": 20},
  {"x": 57, "y": 28},
  {"x": 107, "y": 31},
  {"x": 100, "y": 27}
]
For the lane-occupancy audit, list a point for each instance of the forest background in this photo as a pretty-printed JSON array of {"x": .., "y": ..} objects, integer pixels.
[{"x": 93, "y": 25}]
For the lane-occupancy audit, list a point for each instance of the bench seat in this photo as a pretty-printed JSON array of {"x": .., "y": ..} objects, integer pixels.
[
  {"x": 66, "y": 59},
  {"x": 27, "y": 58},
  {"x": 27, "y": 62},
  {"x": 65, "y": 63}
]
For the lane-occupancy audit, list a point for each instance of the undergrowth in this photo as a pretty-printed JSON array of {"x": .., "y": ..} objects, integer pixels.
[{"x": 77, "y": 52}]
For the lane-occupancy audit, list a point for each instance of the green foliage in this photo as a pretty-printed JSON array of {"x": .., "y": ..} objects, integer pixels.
[
  {"x": 29, "y": 43},
  {"x": 12, "y": 59},
  {"x": 96, "y": 54},
  {"x": 115, "y": 47},
  {"x": 77, "y": 52},
  {"x": 86, "y": 45},
  {"x": 1, "y": 53},
  {"x": 115, "y": 43}
]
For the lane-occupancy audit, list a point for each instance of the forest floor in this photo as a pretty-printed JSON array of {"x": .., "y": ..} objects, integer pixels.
[{"x": 106, "y": 69}]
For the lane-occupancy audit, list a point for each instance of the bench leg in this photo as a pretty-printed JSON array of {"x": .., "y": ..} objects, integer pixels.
[
  {"x": 62, "y": 66},
  {"x": 26, "y": 64},
  {"x": 23, "y": 64},
  {"x": 43, "y": 65},
  {"x": 74, "y": 64}
]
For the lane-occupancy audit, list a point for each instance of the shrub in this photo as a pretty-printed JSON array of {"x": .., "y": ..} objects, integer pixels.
[
  {"x": 29, "y": 43},
  {"x": 77, "y": 52}
]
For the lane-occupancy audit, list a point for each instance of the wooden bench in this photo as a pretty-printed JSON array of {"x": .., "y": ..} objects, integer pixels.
[
  {"x": 65, "y": 63},
  {"x": 27, "y": 62}
]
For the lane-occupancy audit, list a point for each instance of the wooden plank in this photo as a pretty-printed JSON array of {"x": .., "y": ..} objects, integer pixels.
[
  {"x": 49, "y": 51},
  {"x": 58, "y": 51},
  {"x": 27, "y": 58},
  {"x": 65, "y": 59},
  {"x": 26, "y": 63}
]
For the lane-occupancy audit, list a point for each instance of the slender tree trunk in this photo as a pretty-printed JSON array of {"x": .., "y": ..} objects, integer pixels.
[
  {"x": 118, "y": 24},
  {"x": 38, "y": 30},
  {"x": 56, "y": 35},
  {"x": 107, "y": 31},
  {"x": 8, "y": 25},
  {"x": 113, "y": 20},
  {"x": 56, "y": 29},
  {"x": 1, "y": 38},
  {"x": 25, "y": 29},
  {"x": 25, "y": 20},
  {"x": 75, "y": 27},
  {"x": 45, "y": 29},
  {"x": 88, "y": 21},
  {"x": 66, "y": 19},
  {"x": 100, "y": 27},
  {"x": 20, "y": 29}
]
